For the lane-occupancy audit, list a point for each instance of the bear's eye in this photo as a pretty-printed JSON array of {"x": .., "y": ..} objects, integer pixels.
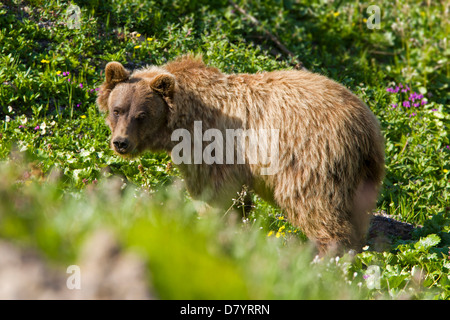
[
  {"x": 141, "y": 116},
  {"x": 116, "y": 113}
]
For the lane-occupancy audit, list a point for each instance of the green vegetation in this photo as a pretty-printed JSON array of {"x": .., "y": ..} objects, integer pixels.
[{"x": 60, "y": 181}]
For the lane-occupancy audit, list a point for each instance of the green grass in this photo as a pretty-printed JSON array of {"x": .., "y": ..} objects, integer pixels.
[{"x": 61, "y": 182}]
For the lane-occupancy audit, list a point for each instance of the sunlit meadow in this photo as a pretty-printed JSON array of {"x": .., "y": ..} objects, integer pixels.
[{"x": 60, "y": 182}]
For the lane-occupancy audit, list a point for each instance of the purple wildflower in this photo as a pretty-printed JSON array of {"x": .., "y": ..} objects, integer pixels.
[
  {"x": 68, "y": 79},
  {"x": 392, "y": 90},
  {"x": 423, "y": 102},
  {"x": 78, "y": 105},
  {"x": 412, "y": 114},
  {"x": 394, "y": 105},
  {"x": 416, "y": 104},
  {"x": 415, "y": 96},
  {"x": 36, "y": 128},
  {"x": 20, "y": 127},
  {"x": 406, "y": 104},
  {"x": 434, "y": 109},
  {"x": 81, "y": 85}
]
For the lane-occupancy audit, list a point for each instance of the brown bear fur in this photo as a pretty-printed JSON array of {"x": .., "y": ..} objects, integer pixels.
[{"x": 331, "y": 154}]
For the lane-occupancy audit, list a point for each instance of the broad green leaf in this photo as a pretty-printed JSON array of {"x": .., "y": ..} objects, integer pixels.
[{"x": 426, "y": 243}]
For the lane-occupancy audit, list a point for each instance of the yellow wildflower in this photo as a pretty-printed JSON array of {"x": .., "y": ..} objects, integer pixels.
[
  {"x": 149, "y": 39},
  {"x": 45, "y": 61},
  {"x": 138, "y": 35},
  {"x": 445, "y": 170},
  {"x": 137, "y": 47},
  {"x": 83, "y": 117},
  {"x": 280, "y": 234},
  {"x": 270, "y": 233},
  {"x": 336, "y": 14},
  {"x": 231, "y": 50},
  {"x": 364, "y": 20},
  {"x": 58, "y": 72}
]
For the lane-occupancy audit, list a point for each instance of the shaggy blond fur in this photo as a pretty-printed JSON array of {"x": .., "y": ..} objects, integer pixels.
[{"x": 331, "y": 158}]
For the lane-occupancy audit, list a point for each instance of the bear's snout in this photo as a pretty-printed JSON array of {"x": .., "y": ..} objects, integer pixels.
[{"x": 121, "y": 144}]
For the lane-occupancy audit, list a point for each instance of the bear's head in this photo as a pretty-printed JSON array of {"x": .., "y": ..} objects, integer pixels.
[{"x": 137, "y": 107}]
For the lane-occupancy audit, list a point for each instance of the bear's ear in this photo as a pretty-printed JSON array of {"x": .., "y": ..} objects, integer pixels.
[
  {"x": 164, "y": 84},
  {"x": 115, "y": 73}
]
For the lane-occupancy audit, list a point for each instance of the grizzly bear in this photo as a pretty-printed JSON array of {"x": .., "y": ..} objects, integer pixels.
[{"x": 329, "y": 155}]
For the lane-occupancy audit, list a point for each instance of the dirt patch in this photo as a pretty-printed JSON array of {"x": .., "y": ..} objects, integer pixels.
[{"x": 384, "y": 230}]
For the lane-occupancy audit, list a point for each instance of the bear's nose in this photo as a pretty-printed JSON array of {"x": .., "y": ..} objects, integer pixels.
[{"x": 121, "y": 144}]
